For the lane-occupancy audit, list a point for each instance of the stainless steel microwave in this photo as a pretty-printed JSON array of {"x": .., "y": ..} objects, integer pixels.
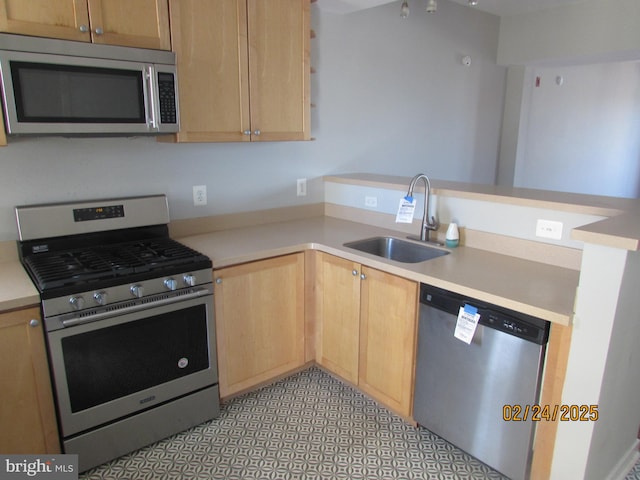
[{"x": 59, "y": 87}]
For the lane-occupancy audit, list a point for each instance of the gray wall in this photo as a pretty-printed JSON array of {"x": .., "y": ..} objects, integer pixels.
[
  {"x": 583, "y": 135},
  {"x": 392, "y": 97}
]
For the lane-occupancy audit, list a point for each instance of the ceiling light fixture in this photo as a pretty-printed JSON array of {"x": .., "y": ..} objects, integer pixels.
[
  {"x": 473, "y": 3},
  {"x": 404, "y": 9},
  {"x": 432, "y": 6}
]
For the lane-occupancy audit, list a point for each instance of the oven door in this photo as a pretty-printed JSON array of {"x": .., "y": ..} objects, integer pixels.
[{"x": 114, "y": 367}]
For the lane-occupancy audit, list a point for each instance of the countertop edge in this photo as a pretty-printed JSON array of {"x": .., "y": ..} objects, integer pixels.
[
  {"x": 603, "y": 232},
  {"x": 230, "y": 248},
  {"x": 16, "y": 288}
]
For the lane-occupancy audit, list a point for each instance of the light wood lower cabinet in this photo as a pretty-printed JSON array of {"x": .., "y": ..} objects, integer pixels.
[
  {"x": 259, "y": 309},
  {"x": 27, "y": 416},
  {"x": 338, "y": 316},
  {"x": 367, "y": 329}
]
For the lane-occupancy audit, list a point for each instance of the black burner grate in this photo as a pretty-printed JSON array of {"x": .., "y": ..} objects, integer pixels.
[{"x": 103, "y": 262}]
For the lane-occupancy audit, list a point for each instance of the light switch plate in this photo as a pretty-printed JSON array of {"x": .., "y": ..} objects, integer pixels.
[
  {"x": 301, "y": 187},
  {"x": 549, "y": 229}
]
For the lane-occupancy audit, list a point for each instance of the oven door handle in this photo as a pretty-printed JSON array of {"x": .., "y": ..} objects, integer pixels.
[{"x": 70, "y": 322}]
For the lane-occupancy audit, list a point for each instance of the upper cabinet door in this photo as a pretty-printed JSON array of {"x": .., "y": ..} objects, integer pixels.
[
  {"x": 65, "y": 19},
  {"x": 139, "y": 23},
  {"x": 279, "y": 69},
  {"x": 243, "y": 69},
  {"x": 210, "y": 41}
]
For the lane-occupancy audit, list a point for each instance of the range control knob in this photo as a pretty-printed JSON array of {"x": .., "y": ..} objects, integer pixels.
[
  {"x": 100, "y": 298},
  {"x": 171, "y": 283},
  {"x": 137, "y": 291},
  {"x": 189, "y": 280},
  {"x": 77, "y": 302}
]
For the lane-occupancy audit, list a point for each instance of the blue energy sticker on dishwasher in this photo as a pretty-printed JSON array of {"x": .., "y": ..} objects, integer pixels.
[
  {"x": 470, "y": 309},
  {"x": 467, "y": 323}
]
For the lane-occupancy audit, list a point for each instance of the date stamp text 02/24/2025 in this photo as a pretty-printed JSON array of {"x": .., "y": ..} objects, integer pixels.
[{"x": 550, "y": 413}]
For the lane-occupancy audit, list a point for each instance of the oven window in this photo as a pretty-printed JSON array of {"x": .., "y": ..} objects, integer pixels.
[
  {"x": 109, "y": 363},
  {"x": 55, "y": 93}
]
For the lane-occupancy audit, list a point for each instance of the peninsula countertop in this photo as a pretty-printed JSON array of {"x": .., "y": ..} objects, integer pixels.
[
  {"x": 621, "y": 228},
  {"x": 533, "y": 288}
]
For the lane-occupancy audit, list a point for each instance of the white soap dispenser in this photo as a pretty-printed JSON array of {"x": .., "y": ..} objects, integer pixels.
[{"x": 452, "y": 237}]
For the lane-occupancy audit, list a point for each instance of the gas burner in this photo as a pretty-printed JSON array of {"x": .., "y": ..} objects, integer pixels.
[{"x": 52, "y": 270}]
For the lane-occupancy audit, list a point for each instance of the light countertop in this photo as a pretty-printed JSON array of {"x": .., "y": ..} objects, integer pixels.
[
  {"x": 16, "y": 288},
  {"x": 544, "y": 291}
]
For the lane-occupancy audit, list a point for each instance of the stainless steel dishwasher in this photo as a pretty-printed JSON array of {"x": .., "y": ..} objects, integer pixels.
[{"x": 462, "y": 389}]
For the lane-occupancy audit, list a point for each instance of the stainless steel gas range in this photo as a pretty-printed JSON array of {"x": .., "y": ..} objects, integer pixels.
[{"x": 129, "y": 323}]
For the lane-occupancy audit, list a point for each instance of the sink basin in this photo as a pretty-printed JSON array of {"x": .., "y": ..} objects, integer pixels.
[{"x": 396, "y": 249}]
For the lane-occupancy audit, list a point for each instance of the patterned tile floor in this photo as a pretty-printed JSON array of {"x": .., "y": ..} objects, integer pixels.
[{"x": 308, "y": 426}]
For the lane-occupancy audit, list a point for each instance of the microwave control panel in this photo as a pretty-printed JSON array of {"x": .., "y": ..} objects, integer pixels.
[{"x": 167, "y": 97}]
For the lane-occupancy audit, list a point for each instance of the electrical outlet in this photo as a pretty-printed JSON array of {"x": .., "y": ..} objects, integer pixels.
[
  {"x": 549, "y": 229},
  {"x": 371, "y": 202},
  {"x": 200, "y": 195},
  {"x": 301, "y": 187}
]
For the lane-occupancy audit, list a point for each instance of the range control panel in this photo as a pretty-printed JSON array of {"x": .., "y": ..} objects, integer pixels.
[{"x": 98, "y": 213}]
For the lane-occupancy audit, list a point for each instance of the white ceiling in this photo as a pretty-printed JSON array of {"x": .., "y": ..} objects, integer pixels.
[
  {"x": 496, "y": 7},
  {"x": 514, "y": 7}
]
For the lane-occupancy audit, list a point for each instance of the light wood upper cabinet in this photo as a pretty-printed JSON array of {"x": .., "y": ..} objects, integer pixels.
[
  {"x": 279, "y": 69},
  {"x": 259, "y": 309},
  {"x": 367, "y": 329},
  {"x": 139, "y": 23},
  {"x": 243, "y": 69},
  {"x": 27, "y": 417},
  {"x": 46, "y": 18}
]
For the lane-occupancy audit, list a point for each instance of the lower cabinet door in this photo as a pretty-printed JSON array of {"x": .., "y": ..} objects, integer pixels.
[
  {"x": 388, "y": 319},
  {"x": 338, "y": 328},
  {"x": 259, "y": 310},
  {"x": 27, "y": 418},
  {"x": 366, "y": 329}
]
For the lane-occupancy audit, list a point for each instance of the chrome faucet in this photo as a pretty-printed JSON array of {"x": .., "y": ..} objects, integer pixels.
[{"x": 426, "y": 223}]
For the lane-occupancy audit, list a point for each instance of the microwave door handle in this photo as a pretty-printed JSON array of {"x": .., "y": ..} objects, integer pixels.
[{"x": 150, "y": 98}]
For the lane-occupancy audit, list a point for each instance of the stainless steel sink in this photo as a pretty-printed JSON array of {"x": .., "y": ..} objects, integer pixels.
[{"x": 396, "y": 249}]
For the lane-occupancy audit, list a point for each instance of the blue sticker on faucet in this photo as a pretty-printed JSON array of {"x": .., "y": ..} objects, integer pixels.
[{"x": 408, "y": 198}]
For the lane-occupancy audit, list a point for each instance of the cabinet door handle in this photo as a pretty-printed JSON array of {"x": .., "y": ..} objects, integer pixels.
[
  {"x": 99, "y": 31},
  {"x": 257, "y": 132},
  {"x": 84, "y": 28},
  {"x": 363, "y": 276},
  {"x": 34, "y": 322},
  {"x": 247, "y": 132},
  {"x": 218, "y": 281}
]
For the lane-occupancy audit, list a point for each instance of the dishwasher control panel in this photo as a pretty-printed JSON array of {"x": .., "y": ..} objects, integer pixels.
[{"x": 492, "y": 316}]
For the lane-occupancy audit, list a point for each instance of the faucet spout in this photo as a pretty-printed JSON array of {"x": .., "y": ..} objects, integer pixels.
[{"x": 427, "y": 224}]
